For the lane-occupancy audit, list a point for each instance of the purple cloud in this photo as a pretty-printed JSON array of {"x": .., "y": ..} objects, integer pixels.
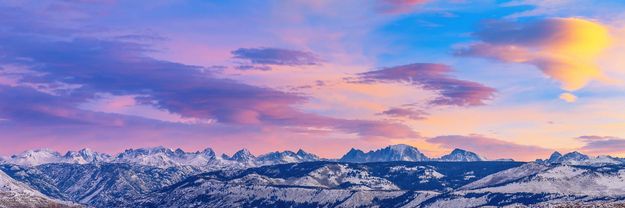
[
  {"x": 406, "y": 113},
  {"x": 602, "y": 144},
  {"x": 95, "y": 65},
  {"x": 433, "y": 77},
  {"x": 274, "y": 56},
  {"x": 119, "y": 68},
  {"x": 253, "y": 67},
  {"x": 25, "y": 105}
]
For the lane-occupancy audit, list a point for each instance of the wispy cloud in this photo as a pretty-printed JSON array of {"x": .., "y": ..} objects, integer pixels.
[
  {"x": 274, "y": 56},
  {"x": 435, "y": 77},
  {"x": 602, "y": 144},
  {"x": 405, "y": 113}
]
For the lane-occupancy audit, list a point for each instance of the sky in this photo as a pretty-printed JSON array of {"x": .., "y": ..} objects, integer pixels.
[{"x": 506, "y": 79}]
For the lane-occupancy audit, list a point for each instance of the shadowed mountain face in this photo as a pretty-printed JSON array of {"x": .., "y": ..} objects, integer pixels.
[
  {"x": 341, "y": 184},
  {"x": 17, "y": 194},
  {"x": 116, "y": 184},
  {"x": 101, "y": 185},
  {"x": 554, "y": 158},
  {"x": 400, "y": 175},
  {"x": 328, "y": 184}
]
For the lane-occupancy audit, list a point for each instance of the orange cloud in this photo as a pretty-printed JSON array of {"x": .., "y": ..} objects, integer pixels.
[
  {"x": 568, "y": 97},
  {"x": 565, "y": 49}
]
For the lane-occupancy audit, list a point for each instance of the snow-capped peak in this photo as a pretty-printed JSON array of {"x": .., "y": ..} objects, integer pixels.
[
  {"x": 577, "y": 158},
  {"x": 157, "y": 156},
  {"x": 574, "y": 156},
  {"x": 287, "y": 157},
  {"x": 400, "y": 147},
  {"x": 571, "y": 158},
  {"x": 243, "y": 155},
  {"x": 36, "y": 157},
  {"x": 38, "y": 152},
  {"x": 84, "y": 156},
  {"x": 166, "y": 157},
  {"x": 44, "y": 156},
  {"x": 146, "y": 151},
  {"x": 605, "y": 159},
  {"x": 460, "y": 155}
]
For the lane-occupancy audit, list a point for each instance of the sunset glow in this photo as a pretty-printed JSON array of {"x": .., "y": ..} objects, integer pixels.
[{"x": 508, "y": 79}]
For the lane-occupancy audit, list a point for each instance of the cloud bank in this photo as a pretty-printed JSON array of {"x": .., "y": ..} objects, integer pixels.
[{"x": 68, "y": 67}]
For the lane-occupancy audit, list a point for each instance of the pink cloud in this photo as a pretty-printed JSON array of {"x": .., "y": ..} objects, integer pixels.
[{"x": 398, "y": 6}]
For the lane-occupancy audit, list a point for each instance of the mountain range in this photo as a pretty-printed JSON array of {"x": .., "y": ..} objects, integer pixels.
[
  {"x": 394, "y": 176},
  {"x": 207, "y": 159},
  {"x": 160, "y": 157}
]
